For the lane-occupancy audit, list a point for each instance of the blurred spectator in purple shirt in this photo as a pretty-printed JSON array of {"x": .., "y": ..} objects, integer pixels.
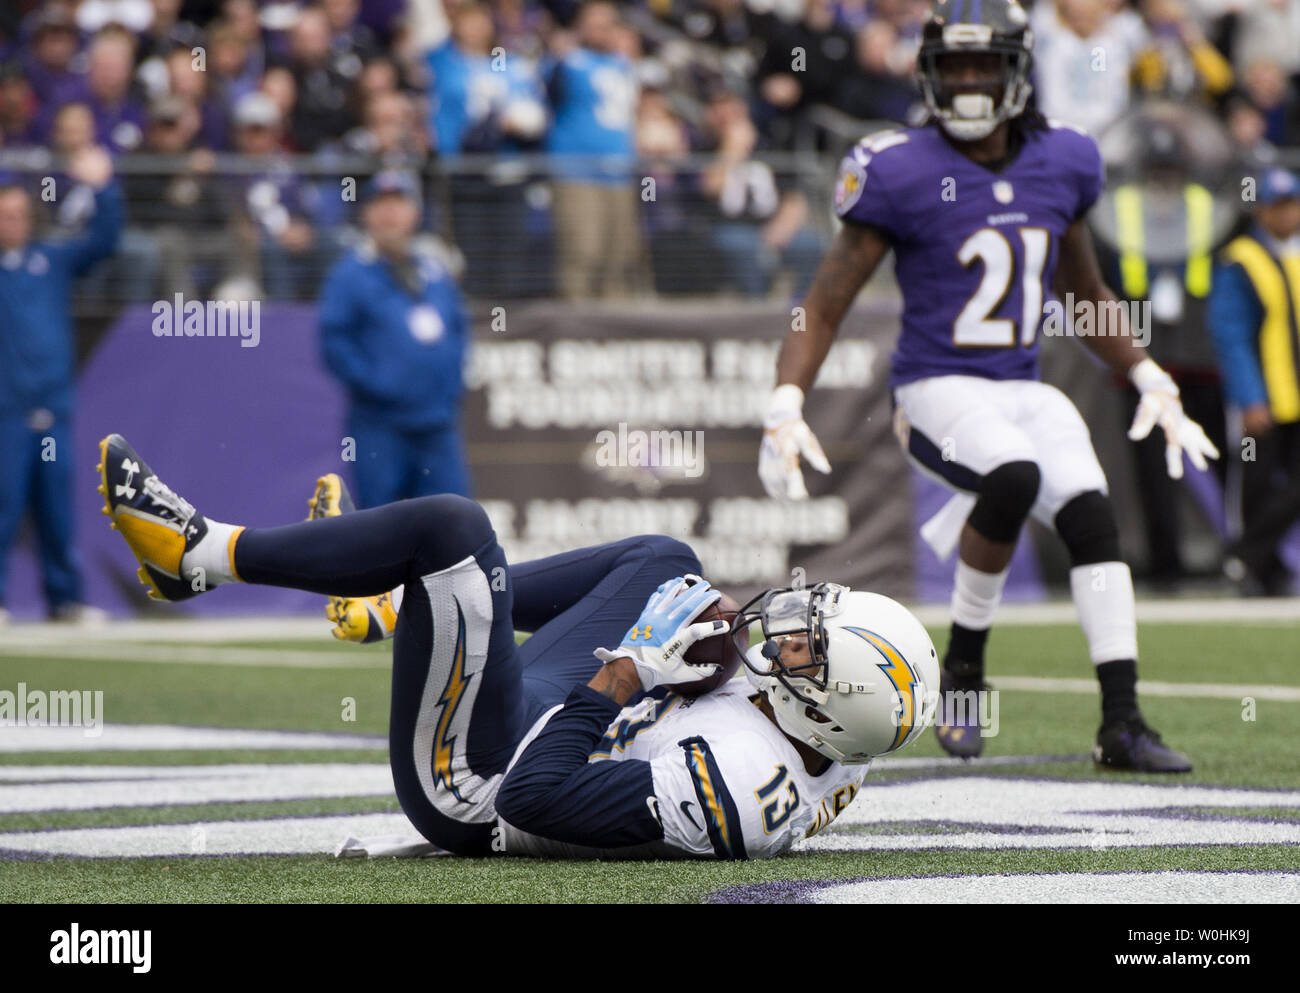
[
  {"x": 234, "y": 64},
  {"x": 48, "y": 57},
  {"x": 119, "y": 118},
  {"x": 243, "y": 17}
]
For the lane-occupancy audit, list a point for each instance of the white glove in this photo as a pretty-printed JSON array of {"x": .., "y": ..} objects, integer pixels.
[
  {"x": 786, "y": 436},
  {"x": 658, "y": 641},
  {"x": 1160, "y": 405}
]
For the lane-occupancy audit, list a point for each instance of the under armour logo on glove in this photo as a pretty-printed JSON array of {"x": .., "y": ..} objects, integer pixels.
[{"x": 632, "y": 636}]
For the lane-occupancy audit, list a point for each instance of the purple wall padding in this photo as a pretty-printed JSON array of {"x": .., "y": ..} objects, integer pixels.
[{"x": 242, "y": 433}]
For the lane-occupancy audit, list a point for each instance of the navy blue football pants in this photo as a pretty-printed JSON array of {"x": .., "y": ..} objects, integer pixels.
[{"x": 464, "y": 694}]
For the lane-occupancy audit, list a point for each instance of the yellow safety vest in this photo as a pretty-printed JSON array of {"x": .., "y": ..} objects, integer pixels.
[
  {"x": 1199, "y": 206},
  {"x": 1278, "y": 287}
]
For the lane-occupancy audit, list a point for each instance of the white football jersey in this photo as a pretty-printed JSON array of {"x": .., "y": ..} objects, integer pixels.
[{"x": 727, "y": 782}]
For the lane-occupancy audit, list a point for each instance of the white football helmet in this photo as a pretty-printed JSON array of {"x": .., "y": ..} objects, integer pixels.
[{"x": 872, "y": 678}]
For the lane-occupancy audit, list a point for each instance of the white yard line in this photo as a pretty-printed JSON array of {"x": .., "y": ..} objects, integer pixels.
[
  {"x": 173, "y": 738},
  {"x": 281, "y": 836},
  {"x": 200, "y": 654},
  {"x": 210, "y": 784},
  {"x": 172, "y": 629},
  {"x": 1284, "y": 610},
  {"x": 1071, "y": 887},
  {"x": 1215, "y": 691}
]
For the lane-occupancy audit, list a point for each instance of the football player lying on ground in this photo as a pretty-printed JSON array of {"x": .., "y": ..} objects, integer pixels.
[
  {"x": 547, "y": 748},
  {"x": 985, "y": 208}
]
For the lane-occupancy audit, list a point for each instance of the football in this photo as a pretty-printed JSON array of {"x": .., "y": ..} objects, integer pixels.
[{"x": 725, "y": 650}]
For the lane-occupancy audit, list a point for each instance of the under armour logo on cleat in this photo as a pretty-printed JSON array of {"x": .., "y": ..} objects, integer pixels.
[{"x": 126, "y": 489}]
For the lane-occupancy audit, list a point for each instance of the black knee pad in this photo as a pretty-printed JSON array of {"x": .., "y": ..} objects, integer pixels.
[
  {"x": 1005, "y": 496},
  {"x": 1087, "y": 526}
]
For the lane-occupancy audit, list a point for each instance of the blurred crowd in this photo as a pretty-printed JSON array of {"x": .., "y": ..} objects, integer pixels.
[{"x": 549, "y": 127}]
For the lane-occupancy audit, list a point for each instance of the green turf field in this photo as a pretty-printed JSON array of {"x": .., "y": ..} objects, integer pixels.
[{"x": 167, "y": 814}]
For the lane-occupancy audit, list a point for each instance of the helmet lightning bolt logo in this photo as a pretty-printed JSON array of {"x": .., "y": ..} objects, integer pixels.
[
  {"x": 900, "y": 674},
  {"x": 457, "y": 682}
]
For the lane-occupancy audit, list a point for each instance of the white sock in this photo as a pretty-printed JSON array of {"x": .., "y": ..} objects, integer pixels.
[
  {"x": 976, "y": 595},
  {"x": 1103, "y": 595},
  {"x": 214, "y": 555}
]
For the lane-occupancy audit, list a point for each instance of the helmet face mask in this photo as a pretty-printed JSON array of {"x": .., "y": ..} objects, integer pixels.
[
  {"x": 971, "y": 107},
  {"x": 849, "y": 674},
  {"x": 785, "y": 615}
]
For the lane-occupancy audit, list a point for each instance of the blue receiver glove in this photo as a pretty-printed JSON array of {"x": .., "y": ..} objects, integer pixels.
[{"x": 658, "y": 641}]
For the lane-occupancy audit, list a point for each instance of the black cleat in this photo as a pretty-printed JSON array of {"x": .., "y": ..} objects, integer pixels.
[
  {"x": 957, "y": 724},
  {"x": 159, "y": 526},
  {"x": 1132, "y": 746}
]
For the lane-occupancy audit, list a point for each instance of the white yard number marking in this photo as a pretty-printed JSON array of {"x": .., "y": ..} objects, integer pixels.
[{"x": 973, "y": 327}]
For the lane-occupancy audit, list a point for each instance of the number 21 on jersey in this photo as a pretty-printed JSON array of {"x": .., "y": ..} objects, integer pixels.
[{"x": 974, "y": 327}]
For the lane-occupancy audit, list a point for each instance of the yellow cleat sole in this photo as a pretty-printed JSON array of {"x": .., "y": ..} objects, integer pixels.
[
  {"x": 142, "y": 573},
  {"x": 328, "y": 489}
]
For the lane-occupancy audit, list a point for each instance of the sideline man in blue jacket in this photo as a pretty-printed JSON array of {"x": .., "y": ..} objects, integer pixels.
[
  {"x": 1255, "y": 318},
  {"x": 36, "y": 374},
  {"x": 394, "y": 331}
]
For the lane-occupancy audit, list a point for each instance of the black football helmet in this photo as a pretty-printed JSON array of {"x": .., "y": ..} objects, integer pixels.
[{"x": 999, "y": 27}]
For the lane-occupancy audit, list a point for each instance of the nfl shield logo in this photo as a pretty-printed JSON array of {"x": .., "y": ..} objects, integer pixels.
[{"x": 1002, "y": 191}]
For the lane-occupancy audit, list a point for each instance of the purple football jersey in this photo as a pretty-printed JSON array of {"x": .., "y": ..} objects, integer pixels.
[{"x": 975, "y": 250}]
